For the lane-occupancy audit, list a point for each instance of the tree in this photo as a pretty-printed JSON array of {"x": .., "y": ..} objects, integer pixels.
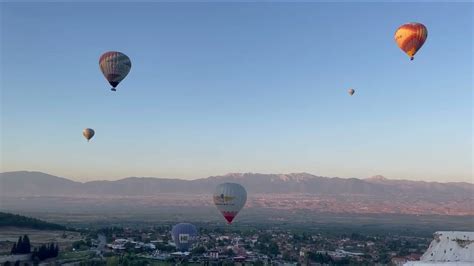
[
  {"x": 56, "y": 251},
  {"x": 42, "y": 252},
  {"x": 344, "y": 261},
  {"x": 287, "y": 256},
  {"x": 13, "y": 251},
  {"x": 26, "y": 245},
  {"x": 22, "y": 246},
  {"x": 79, "y": 244},
  {"x": 319, "y": 258},
  {"x": 45, "y": 252},
  {"x": 125, "y": 262},
  {"x": 384, "y": 258},
  {"x": 198, "y": 250},
  {"x": 36, "y": 261},
  {"x": 129, "y": 246},
  {"x": 51, "y": 250},
  {"x": 229, "y": 252},
  {"x": 19, "y": 246},
  {"x": 273, "y": 249}
]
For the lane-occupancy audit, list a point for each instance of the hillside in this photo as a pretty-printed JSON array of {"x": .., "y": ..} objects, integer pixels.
[{"x": 9, "y": 219}]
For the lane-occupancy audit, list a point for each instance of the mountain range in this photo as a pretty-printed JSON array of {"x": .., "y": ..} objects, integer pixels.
[{"x": 24, "y": 183}]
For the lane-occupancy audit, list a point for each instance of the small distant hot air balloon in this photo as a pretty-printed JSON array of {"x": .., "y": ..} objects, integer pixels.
[
  {"x": 351, "y": 91},
  {"x": 115, "y": 67},
  {"x": 88, "y": 133},
  {"x": 410, "y": 37},
  {"x": 229, "y": 199},
  {"x": 184, "y": 236}
]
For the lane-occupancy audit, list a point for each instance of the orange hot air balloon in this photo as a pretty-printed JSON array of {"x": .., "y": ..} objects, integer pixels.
[{"x": 410, "y": 37}]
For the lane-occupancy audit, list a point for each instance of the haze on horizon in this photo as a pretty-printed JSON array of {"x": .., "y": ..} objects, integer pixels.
[{"x": 237, "y": 87}]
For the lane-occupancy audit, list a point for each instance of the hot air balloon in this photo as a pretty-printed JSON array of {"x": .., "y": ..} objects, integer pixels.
[
  {"x": 88, "y": 133},
  {"x": 351, "y": 91},
  {"x": 115, "y": 67},
  {"x": 410, "y": 37},
  {"x": 229, "y": 199},
  {"x": 184, "y": 236}
]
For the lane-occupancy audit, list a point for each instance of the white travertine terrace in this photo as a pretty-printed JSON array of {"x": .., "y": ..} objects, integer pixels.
[{"x": 448, "y": 248}]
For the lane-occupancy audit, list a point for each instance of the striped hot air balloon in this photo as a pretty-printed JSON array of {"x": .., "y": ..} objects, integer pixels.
[
  {"x": 410, "y": 37},
  {"x": 115, "y": 67},
  {"x": 184, "y": 236},
  {"x": 229, "y": 199}
]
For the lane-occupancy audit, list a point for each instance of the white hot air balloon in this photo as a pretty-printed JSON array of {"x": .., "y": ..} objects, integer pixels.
[
  {"x": 88, "y": 133},
  {"x": 229, "y": 199},
  {"x": 351, "y": 91}
]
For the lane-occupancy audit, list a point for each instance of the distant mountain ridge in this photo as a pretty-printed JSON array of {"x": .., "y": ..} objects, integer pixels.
[{"x": 23, "y": 183}]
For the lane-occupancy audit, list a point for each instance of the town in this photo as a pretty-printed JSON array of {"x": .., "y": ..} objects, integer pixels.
[
  {"x": 30, "y": 241},
  {"x": 127, "y": 246}
]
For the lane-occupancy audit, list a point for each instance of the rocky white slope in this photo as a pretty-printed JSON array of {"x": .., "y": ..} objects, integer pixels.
[{"x": 448, "y": 248}]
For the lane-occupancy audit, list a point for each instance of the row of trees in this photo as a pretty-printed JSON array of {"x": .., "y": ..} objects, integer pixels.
[
  {"x": 46, "y": 252},
  {"x": 320, "y": 258},
  {"x": 23, "y": 246}
]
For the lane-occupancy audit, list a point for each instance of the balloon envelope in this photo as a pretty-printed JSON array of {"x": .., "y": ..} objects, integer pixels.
[
  {"x": 229, "y": 199},
  {"x": 410, "y": 37},
  {"x": 351, "y": 91},
  {"x": 88, "y": 133},
  {"x": 184, "y": 236},
  {"x": 115, "y": 67}
]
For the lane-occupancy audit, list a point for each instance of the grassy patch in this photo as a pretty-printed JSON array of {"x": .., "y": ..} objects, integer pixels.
[{"x": 76, "y": 255}]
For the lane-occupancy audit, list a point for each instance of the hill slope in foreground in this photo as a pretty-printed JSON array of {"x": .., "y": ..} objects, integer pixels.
[
  {"x": 299, "y": 191},
  {"x": 12, "y": 226},
  {"x": 15, "y": 220}
]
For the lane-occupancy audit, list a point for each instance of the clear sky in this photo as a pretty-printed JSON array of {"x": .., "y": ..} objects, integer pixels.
[{"x": 243, "y": 87}]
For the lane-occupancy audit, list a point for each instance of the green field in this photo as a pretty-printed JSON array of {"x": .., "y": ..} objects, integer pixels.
[
  {"x": 76, "y": 255},
  {"x": 9, "y": 235}
]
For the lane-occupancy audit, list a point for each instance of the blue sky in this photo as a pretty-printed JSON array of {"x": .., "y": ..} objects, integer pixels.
[{"x": 243, "y": 87}]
